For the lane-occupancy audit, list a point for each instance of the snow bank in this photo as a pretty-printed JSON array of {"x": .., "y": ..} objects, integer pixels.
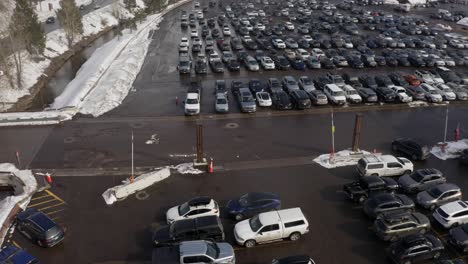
[
  {"x": 5, "y": 15},
  {"x": 391, "y": 2},
  {"x": 417, "y": 2},
  {"x": 342, "y": 158},
  {"x": 452, "y": 150},
  {"x": 463, "y": 22},
  {"x": 417, "y": 104},
  {"x": 22, "y": 200},
  {"x": 143, "y": 181},
  {"x": 43, "y": 12}
]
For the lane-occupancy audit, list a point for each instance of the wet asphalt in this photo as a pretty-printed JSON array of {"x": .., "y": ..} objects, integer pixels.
[{"x": 270, "y": 151}]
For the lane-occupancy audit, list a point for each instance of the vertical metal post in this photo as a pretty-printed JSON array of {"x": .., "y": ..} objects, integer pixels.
[
  {"x": 357, "y": 132},
  {"x": 18, "y": 159},
  {"x": 133, "y": 175},
  {"x": 199, "y": 143},
  {"x": 332, "y": 156},
  {"x": 446, "y": 124}
]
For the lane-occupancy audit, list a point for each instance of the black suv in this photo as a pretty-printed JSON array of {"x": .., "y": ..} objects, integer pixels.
[
  {"x": 359, "y": 191},
  {"x": 200, "y": 228},
  {"x": 415, "y": 248},
  {"x": 300, "y": 99},
  {"x": 39, "y": 228},
  {"x": 412, "y": 148}
]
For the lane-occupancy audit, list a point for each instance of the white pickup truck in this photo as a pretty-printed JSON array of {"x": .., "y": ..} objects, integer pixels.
[
  {"x": 192, "y": 101},
  {"x": 271, "y": 226}
]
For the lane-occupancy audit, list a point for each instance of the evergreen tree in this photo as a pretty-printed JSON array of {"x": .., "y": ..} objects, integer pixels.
[
  {"x": 70, "y": 18},
  {"x": 26, "y": 26},
  {"x": 130, "y": 4}
]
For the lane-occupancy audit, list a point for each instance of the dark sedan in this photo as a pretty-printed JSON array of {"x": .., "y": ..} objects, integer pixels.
[
  {"x": 386, "y": 94},
  {"x": 411, "y": 148},
  {"x": 415, "y": 247},
  {"x": 368, "y": 95},
  {"x": 253, "y": 203},
  {"x": 300, "y": 259}
]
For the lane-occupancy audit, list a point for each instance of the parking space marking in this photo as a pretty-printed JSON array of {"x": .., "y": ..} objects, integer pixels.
[
  {"x": 263, "y": 245},
  {"x": 55, "y": 196},
  {"x": 40, "y": 197},
  {"x": 47, "y": 207},
  {"x": 56, "y": 211},
  {"x": 43, "y": 202},
  {"x": 15, "y": 244}
]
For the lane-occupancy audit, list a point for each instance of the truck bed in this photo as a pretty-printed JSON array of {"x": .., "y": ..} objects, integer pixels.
[{"x": 165, "y": 255}]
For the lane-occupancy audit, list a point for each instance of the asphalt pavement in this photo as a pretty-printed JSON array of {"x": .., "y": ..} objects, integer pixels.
[{"x": 267, "y": 151}]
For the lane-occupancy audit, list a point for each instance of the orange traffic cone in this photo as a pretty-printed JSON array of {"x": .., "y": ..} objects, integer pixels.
[
  {"x": 48, "y": 178},
  {"x": 211, "y": 167}
]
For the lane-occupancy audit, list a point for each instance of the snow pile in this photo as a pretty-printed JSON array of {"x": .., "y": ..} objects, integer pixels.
[
  {"x": 186, "y": 168},
  {"x": 452, "y": 150},
  {"x": 391, "y": 2},
  {"x": 463, "y": 22},
  {"x": 5, "y": 14},
  {"x": 43, "y": 12},
  {"x": 342, "y": 158},
  {"x": 417, "y": 2},
  {"x": 22, "y": 200},
  {"x": 417, "y": 104},
  {"x": 32, "y": 70}
]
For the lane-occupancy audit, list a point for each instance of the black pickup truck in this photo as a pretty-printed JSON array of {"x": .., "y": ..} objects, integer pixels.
[{"x": 360, "y": 190}]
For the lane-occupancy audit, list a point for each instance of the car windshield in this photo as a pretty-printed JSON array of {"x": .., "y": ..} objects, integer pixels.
[
  {"x": 352, "y": 92},
  {"x": 306, "y": 81},
  {"x": 212, "y": 250},
  {"x": 264, "y": 96},
  {"x": 434, "y": 192},
  {"x": 184, "y": 208},
  {"x": 221, "y": 101},
  {"x": 184, "y": 63},
  {"x": 192, "y": 101},
  {"x": 338, "y": 93},
  {"x": 247, "y": 99},
  {"x": 255, "y": 223},
  {"x": 291, "y": 82}
]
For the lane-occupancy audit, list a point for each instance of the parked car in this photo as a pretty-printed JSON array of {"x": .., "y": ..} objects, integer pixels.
[
  {"x": 411, "y": 148},
  {"x": 393, "y": 226},
  {"x": 401, "y": 94},
  {"x": 263, "y": 99},
  {"x": 196, "y": 207},
  {"x": 421, "y": 180},
  {"x": 415, "y": 247},
  {"x": 387, "y": 202},
  {"x": 290, "y": 83},
  {"x": 14, "y": 255},
  {"x": 221, "y": 103},
  {"x": 246, "y": 100},
  {"x": 452, "y": 214},
  {"x": 360, "y": 190},
  {"x": 198, "y": 251},
  {"x": 458, "y": 236},
  {"x": 200, "y": 228},
  {"x": 306, "y": 84},
  {"x": 299, "y": 259},
  {"x": 438, "y": 195},
  {"x": 300, "y": 99},
  {"x": 39, "y": 228},
  {"x": 368, "y": 95},
  {"x": 384, "y": 165},
  {"x": 431, "y": 94},
  {"x": 318, "y": 97},
  {"x": 271, "y": 226},
  {"x": 335, "y": 94},
  {"x": 281, "y": 100},
  {"x": 250, "y": 204}
]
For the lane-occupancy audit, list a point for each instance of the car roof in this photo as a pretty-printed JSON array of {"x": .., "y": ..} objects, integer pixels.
[
  {"x": 16, "y": 255},
  {"x": 388, "y": 158},
  {"x": 446, "y": 187},
  {"x": 453, "y": 207},
  {"x": 188, "y": 248},
  {"x": 38, "y": 218},
  {"x": 384, "y": 198},
  {"x": 256, "y": 196},
  {"x": 194, "y": 223},
  {"x": 299, "y": 259},
  {"x": 197, "y": 201}
]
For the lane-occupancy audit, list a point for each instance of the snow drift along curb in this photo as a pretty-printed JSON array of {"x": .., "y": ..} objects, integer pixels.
[
  {"x": 10, "y": 203},
  {"x": 342, "y": 158},
  {"x": 452, "y": 150}
]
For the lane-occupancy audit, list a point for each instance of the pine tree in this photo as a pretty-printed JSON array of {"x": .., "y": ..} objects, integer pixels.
[
  {"x": 26, "y": 25},
  {"x": 70, "y": 18},
  {"x": 130, "y": 4}
]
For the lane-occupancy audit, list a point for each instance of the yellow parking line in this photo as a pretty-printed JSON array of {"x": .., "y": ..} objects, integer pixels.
[
  {"x": 53, "y": 212},
  {"x": 40, "y": 197},
  {"x": 47, "y": 207},
  {"x": 36, "y": 204},
  {"x": 55, "y": 218},
  {"x": 15, "y": 244},
  {"x": 55, "y": 196}
]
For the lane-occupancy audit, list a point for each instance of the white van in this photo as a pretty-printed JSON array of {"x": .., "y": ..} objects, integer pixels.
[
  {"x": 335, "y": 94},
  {"x": 271, "y": 226}
]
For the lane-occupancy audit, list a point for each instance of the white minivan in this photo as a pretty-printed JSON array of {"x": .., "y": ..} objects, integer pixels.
[{"x": 335, "y": 94}]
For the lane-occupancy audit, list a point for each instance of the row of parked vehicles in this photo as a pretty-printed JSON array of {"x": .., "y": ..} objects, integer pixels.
[
  {"x": 195, "y": 233},
  {"x": 301, "y": 93},
  {"x": 391, "y": 204}
]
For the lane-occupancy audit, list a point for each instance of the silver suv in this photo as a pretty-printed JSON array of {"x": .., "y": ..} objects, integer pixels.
[{"x": 392, "y": 226}]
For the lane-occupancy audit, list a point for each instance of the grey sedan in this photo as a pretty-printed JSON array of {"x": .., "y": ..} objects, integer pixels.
[
  {"x": 438, "y": 195},
  {"x": 421, "y": 180},
  {"x": 221, "y": 103}
]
